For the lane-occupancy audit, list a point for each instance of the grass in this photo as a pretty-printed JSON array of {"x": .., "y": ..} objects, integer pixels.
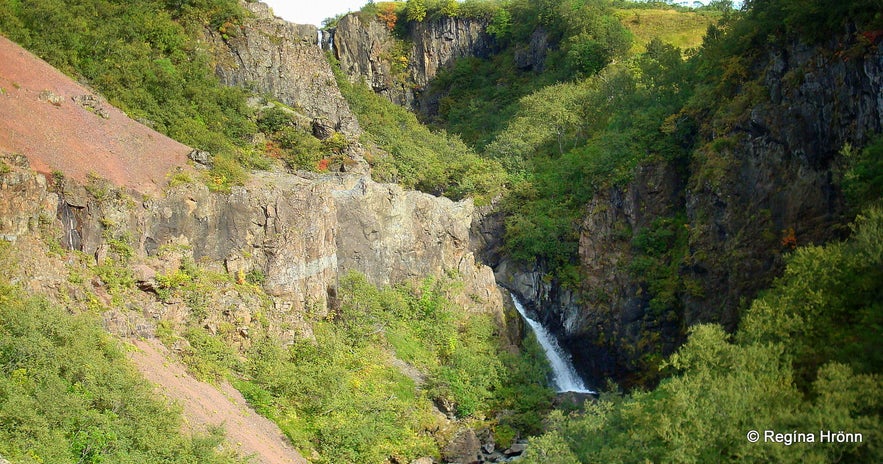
[{"x": 682, "y": 29}]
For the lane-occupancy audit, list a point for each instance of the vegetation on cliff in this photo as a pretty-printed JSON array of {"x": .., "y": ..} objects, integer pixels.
[
  {"x": 414, "y": 156},
  {"x": 344, "y": 392},
  {"x": 367, "y": 383},
  {"x": 565, "y": 134},
  {"x": 149, "y": 59},
  {"x": 805, "y": 360}
]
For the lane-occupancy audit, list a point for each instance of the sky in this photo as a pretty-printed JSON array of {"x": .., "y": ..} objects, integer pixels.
[{"x": 312, "y": 11}]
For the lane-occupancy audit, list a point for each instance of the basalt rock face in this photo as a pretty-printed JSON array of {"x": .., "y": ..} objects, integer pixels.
[
  {"x": 616, "y": 317},
  {"x": 393, "y": 235},
  {"x": 779, "y": 181},
  {"x": 400, "y": 70},
  {"x": 282, "y": 59},
  {"x": 742, "y": 202},
  {"x": 301, "y": 233},
  {"x": 24, "y": 203}
]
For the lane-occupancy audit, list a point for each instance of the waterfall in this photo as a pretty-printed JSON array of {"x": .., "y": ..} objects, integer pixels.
[{"x": 564, "y": 376}]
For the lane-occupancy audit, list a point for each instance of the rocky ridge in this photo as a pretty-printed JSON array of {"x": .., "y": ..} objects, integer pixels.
[
  {"x": 275, "y": 57},
  {"x": 301, "y": 233}
]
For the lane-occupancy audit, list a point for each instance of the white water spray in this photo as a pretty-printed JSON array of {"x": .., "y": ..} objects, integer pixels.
[{"x": 564, "y": 376}]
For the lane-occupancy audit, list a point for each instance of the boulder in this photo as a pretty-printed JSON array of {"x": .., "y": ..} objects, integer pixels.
[
  {"x": 464, "y": 448},
  {"x": 201, "y": 157},
  {"x": 515, "y": 449},
  {"x": 322, "y": 128}
]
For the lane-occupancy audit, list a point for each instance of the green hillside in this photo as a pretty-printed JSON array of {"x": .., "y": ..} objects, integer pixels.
[
  {"x": 68, "y": 394},
  {"x": 620, "y": 87}
]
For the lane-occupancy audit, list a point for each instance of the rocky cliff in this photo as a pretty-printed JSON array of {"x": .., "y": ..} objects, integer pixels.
[
  {"x": 275, "y": 57},
  {"x": 400, "y": 69},
  {"x": 747, "y": 198},
  {"x": 302, "y": 234}
]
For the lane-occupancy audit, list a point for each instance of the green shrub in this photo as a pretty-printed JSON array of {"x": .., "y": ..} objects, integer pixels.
[
  {"x": 862, "y": 178},
  {"x": 68, "y": 394},
  {"x": 804, "y": 359}
]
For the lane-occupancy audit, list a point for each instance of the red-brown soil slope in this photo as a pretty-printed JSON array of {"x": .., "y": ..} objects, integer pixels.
[
  {"x": 205, "y": 405},
  {"x": 40, "y": 119}
]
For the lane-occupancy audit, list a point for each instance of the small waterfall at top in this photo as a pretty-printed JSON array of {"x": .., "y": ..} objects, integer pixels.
[{"x": 564, "y": 376}]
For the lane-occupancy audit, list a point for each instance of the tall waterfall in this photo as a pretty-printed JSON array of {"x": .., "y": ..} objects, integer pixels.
[{"x": 564, "y": 376}]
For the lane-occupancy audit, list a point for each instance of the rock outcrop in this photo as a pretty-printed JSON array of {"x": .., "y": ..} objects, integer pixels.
[
  {"x": 275, "y": 57},
  {"x": 400, "y": 70},
  {"x": 744, "y": 201},
  {"x": 300, "y": 233},
  {"x": 25, "y": 202},
  {"x": 392, "y": 235}
]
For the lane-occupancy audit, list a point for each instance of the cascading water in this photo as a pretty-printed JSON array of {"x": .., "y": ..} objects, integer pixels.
[{"x": 564, "y": 376}]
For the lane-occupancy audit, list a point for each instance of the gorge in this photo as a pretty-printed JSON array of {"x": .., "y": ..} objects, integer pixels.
[{"x": 356, "y": 236}]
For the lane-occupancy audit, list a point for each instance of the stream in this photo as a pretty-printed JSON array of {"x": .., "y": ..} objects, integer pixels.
[{"x": 564, "y": 376}]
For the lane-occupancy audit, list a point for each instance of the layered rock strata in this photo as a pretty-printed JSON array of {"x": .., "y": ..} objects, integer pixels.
[{"x": 282, "y": 59}]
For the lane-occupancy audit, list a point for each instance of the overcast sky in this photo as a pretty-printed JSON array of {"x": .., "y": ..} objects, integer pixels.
[{"x": 312, "y": 11}]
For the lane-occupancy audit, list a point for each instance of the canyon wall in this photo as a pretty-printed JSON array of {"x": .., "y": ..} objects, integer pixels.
[
  {"x": 401, "y": 68},
  {"x": 274, "y": 57},
  {"x": 746, "y": 199},
  {"x": 301, "y": 233}
]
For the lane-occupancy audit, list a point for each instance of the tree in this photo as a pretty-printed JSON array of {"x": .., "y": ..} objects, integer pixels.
[
  {"x": 415, "y": 10},
  {"x": 450, "y": 8}
]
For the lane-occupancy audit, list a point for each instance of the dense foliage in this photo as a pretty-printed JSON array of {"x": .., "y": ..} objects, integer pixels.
[
  {"x": 145, "y": 58},
  {"x": 478, "y": 96},
  {"x": 433, "y": 162},
  {"x": 805, "y": 360},
  {"x": 364, "y": 386},
  {"x": 68, "y": 394},
  {"x": 569, "y": 140}
]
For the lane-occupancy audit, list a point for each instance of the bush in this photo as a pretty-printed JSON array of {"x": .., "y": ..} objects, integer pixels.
[
  {"x": 804, "y": 359},
  {"x": 68, "y": 394},
  {"x": 862, "y": 178}
]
